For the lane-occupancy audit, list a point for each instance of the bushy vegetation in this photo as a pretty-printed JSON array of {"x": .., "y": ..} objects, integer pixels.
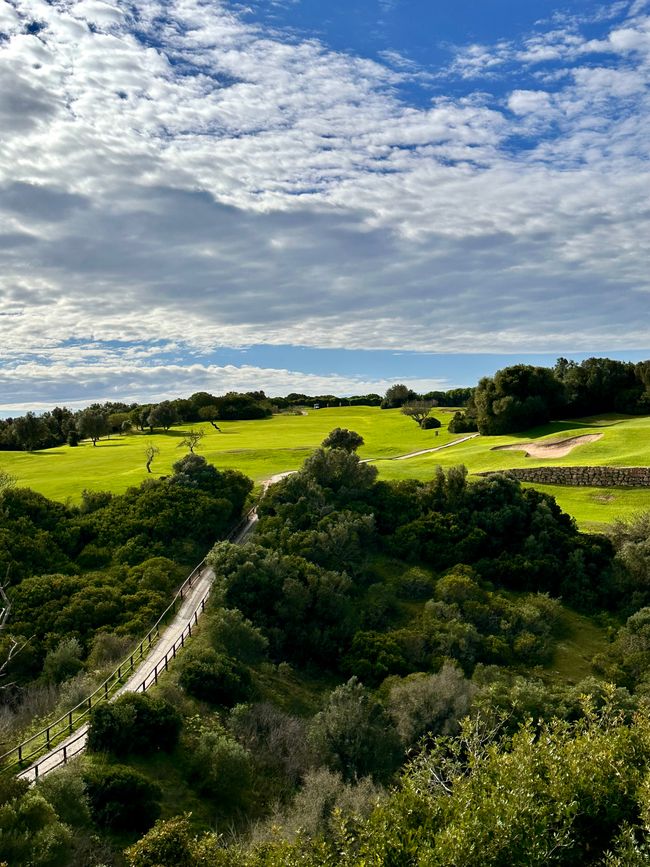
[
  {"x": 82, "y": 580},
  {"x": 522, "y": 396},
  {"x": 374, "y": 682}
]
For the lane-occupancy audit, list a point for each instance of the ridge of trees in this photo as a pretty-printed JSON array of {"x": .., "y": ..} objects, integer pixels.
[{"x": 523, "y": 396}]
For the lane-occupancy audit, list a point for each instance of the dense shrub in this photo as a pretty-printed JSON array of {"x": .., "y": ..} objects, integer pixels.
[
  {"x": 353, "y": 735},
  {"x": 214, "y": 677},
  {"x": 122, "y": 799},
  {"x": 134, "y": 723}
]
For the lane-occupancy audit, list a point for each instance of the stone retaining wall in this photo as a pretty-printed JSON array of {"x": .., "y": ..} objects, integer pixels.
[{"x": 592, "y": 477}]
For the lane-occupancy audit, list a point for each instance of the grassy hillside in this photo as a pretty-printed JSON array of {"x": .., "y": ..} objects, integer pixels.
[{"x": 263, "y": 448}]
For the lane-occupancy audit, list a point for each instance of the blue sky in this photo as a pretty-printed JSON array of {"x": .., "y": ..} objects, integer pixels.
[{"x": 322, "y": 197}]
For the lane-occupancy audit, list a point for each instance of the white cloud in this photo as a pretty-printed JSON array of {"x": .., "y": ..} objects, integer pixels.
[{"x": 187, "y": 176}]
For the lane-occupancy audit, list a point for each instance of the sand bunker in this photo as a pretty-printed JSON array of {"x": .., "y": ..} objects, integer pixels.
[{"x": 555, "y": 449}]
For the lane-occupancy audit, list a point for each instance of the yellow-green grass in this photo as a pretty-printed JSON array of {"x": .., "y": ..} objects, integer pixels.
[
  {"x": 263, "y": 448},
  {"x": 258, "y": 448},
  {"x": 625, "y": 442}
]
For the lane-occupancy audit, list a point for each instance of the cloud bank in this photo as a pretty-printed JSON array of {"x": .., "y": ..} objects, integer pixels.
[{"x": 171, "y": 171}]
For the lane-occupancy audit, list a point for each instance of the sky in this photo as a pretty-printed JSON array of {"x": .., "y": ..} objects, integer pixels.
[{"x": 328, "y": 197}]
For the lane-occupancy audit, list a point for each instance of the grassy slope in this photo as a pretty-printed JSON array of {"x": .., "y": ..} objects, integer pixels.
[{"x": 263, "y": 448}]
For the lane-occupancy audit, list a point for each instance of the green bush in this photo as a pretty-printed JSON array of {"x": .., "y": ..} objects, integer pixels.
[
  {"x": 122, "y": 799},
  {"x": 222, "y": 768},
  {"x": 63, "y": 662},
  {"x": 213, "y": 677},
  {"x": 134, "y": 723}
]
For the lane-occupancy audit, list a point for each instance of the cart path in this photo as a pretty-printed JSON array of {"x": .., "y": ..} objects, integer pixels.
[
  {"x": 190, "y": 609},
  {"x": 430, "y": 451},
  {"x": 279, "y": 476}
]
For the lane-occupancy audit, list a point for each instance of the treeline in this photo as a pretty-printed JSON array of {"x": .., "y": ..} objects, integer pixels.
[
  {"x": 61, "y": 425},
  {"x": 523, "y": 396}
]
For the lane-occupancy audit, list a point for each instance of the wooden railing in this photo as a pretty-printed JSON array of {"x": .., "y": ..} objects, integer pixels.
[
  {"x": 62, "y": 727},
  {"x": 72, "y": 748},
  {"x": 47, "y": 738}
]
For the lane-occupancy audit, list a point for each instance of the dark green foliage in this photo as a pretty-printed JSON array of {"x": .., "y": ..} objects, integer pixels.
[
  {"x": 375, "y": 655},
  {"x": 303, "y": 610},
  {"x": 193, "y": 471},
  {"x": 215, "y": 678},
  {"x": 397, "y": 395},
  {"x": 354, "y": 736},
  {"x": 122, "y": 799},
  {"x": 516, "y": 398},
  {"x": 163, "y": 415},
  {"x": 64, "y": 661},
  {"x": 235, "y": 636},
  {"x": 92, "y": 425},
  {"x": 342, "y": 438},
  {"x": 31, "y": 834},
  {"x": 222, "y": 768},
  {"x": 134, "y": 724},
  {"x": 462, "y": 423},
  {"x": 430, "y": 423}
]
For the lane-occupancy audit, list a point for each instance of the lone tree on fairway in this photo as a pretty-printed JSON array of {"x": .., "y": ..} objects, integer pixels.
[
  {"x": 210, "y": 413},
  {"x": 342, "y": 438},
  {"x": 418, "y": 410},
  {"x": 150, "y": 453},
  {"x": 92, "y": 425},
  {"x": 192, "y": 439}
]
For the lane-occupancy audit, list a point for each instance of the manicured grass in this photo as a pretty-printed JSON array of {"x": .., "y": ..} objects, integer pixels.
[
  {"x": 263, "y": 448},
  {"x": 258, "y": 448},
  {"x": 625, "y": 442}
]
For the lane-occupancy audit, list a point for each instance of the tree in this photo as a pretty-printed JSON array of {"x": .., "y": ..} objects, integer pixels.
[
  {"x": 134, "y": 724},
  {"x": 210, "y": 414},
  {"x": 397, "y": 395},
  {"x": 342, "y": 438},
  {"x": 150, "y": 453},
  {"x": 192, "y": 439},
  {"x": 122, "y": 799},
  {"x": 29, "y": 431},
  {"x": 353, "y": 734},
  {"x": 92, "y": 425},
  {"x": 163, "y": 415},
  {"x": 418, "y": 410}
]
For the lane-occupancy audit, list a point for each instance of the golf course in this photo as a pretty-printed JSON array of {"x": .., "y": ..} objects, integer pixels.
[{"x": 399, "y": 448}]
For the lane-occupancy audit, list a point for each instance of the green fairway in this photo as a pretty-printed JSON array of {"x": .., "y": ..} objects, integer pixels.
[
  {"x": 263, "y": 448},
  {"x": 258, "y": 448}
]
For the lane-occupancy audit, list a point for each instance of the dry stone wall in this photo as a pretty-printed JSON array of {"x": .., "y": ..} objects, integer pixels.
[{"x": 592, "y": 477}]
